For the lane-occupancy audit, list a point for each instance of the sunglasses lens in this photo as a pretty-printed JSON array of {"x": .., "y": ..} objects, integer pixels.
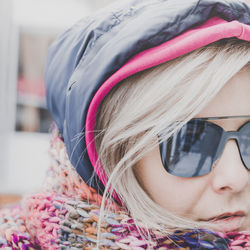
[
  {"x": 244, "y": 139},
  {"x": 192, "y": 151}
]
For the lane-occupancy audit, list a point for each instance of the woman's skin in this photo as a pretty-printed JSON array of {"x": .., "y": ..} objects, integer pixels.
[{"x": 227, "y": 187}]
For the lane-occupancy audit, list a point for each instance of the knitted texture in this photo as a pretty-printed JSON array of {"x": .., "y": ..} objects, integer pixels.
[{"x": 65, "y": 212}]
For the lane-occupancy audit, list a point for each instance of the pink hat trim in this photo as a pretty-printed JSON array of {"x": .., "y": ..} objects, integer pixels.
[{"x": 212, "y": 30}]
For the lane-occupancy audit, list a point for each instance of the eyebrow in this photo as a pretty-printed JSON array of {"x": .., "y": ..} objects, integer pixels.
[{"x": 223, "y": 117}]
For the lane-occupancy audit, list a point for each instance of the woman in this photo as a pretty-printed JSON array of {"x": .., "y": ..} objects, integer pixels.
[{"x": 144, "y": 96}]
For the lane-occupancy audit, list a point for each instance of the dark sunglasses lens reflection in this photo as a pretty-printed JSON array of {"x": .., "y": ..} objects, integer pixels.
[
  {"x": 191, "y": 152},
  {"x": 244, "y": 144}
]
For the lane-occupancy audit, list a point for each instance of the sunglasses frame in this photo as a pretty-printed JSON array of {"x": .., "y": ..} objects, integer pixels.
[{"x": 226, "y": 135}]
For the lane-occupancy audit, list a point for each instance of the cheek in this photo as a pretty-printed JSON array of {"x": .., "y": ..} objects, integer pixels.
[{"x": 181, "y": 196}]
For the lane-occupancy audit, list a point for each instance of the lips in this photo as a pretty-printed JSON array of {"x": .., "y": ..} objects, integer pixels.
[
  {"x": 226, "y": 216},
  {"x": 227, "y": 222}
]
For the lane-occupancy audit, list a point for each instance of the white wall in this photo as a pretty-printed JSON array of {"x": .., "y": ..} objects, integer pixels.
[
  {"x": 5, "y": 87},
  {"x": 52, "y": 14},
  {"x": 24, "y": 157},
  {"x": 28, "y": 161}
]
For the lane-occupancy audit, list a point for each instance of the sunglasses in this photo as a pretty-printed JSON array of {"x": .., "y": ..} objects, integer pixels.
[{"x": 193, "y": 150}]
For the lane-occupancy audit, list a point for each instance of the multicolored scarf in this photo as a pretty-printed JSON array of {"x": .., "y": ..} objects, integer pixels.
[{"x": 64, "y": 215}]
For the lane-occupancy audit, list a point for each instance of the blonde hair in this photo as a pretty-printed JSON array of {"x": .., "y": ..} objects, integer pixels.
[{"x": 164, "y": 97}]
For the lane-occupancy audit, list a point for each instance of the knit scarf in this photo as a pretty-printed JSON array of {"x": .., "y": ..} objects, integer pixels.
[{"x": 64, "y": 214}]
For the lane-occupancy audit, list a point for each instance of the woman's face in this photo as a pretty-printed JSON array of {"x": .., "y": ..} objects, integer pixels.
[{"x": 226, "y": 189}]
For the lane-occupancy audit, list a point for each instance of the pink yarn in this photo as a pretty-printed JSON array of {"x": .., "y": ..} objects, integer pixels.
[{"x": 43, "y": 220}]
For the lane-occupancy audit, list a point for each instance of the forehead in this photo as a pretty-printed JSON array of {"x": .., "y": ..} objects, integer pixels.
[{"x": 232, "y": 99}]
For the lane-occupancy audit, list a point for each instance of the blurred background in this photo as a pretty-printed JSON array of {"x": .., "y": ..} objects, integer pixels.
[{"x": 27, "y": 28}]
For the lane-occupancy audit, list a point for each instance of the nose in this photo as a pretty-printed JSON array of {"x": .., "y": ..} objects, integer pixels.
[{"x": 229, "y": 173}]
